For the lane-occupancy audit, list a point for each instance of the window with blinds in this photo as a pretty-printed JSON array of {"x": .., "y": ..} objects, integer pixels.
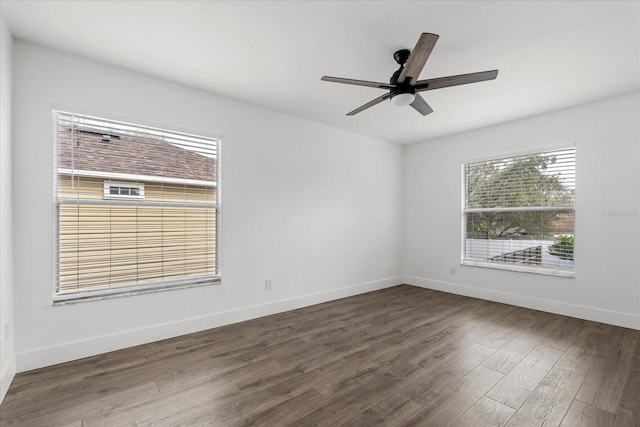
[
  {"x": 518, "y": 213},
  {"x": 136, "y": 208}
]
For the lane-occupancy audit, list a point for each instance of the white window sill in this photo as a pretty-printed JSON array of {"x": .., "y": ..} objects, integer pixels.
[
  {"x": 123, "y": 291},
  {"x": 521, "y": 269}
]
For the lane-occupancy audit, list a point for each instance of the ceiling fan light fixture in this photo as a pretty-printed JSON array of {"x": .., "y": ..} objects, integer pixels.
[{"x": 403, "y": 99}]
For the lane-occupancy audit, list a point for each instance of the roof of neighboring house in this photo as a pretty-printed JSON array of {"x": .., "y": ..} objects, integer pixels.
[{"x": 130, "y": 154}]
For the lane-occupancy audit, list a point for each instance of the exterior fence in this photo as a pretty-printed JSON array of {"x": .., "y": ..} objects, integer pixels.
[{"x": 528, "y": 256}]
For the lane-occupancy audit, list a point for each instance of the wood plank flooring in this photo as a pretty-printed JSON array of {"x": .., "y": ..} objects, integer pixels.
[{"x": 402, "y": 356}]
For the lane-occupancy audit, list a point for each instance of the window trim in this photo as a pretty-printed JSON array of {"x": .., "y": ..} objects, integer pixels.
[
  {"x": 547, "y": 271},
  {"x": 134, "y": 289}
]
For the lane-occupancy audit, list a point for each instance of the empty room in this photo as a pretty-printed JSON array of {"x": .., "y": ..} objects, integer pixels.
[{"x": 320, "y": 213}]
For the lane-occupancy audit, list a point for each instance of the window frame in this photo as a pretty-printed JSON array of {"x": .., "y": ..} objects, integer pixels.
[
  {"x": 542, "y": 270},
  {"x": 133, "y": 289}
]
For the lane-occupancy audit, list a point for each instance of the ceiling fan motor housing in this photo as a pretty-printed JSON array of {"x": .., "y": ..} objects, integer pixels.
[{"x": 401, "y": 56}]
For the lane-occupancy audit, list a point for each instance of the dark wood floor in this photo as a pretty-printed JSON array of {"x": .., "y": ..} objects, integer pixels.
[{"x": 400, "y": 356}]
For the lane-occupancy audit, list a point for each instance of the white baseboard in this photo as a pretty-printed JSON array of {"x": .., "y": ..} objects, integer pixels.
[
  {"x": 627, "y": 320},
  {"x": 7, "y": 373},
  {"x": 90, "y": 347}
]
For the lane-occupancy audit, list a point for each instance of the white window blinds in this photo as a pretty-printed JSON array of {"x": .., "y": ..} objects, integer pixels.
[
  {"x": 136, "y": 206},
  {"x": 518, "y": 212}
]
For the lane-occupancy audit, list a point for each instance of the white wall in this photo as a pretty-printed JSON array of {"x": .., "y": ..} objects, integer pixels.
[
  {"x": 7, "y": 352},
  {"x": 315, "y": 209},
  {"x": 607, "y": 283}
]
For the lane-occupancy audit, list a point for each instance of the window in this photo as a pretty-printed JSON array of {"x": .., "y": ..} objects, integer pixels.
[
  {"x": 518, "y": 213},
  {"x": 136, "y": 208},
  {"x": 123, "y": 190}
]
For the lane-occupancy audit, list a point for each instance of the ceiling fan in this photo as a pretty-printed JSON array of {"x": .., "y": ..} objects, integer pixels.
[{"x": 403, "y": 87}]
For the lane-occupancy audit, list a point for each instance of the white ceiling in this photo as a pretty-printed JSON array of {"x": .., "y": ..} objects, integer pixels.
[{"x": 551, "y": 55}]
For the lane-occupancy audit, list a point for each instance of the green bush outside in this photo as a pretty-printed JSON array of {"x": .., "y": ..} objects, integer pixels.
[{"x": 562, "y": 247}]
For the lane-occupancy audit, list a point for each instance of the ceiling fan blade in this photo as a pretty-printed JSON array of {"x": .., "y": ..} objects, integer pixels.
[
  {"x": 418, "y": 58},
  {"x": 421, "y": 106},
  {"x": 460, "y": 79},
  {"x": 357, "y": 82},
  {"x": 369, "y": 104}
]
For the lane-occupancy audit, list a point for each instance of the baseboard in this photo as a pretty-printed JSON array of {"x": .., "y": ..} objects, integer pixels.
[
  {"x": 90, "y": 347},
  {"x": 6, "y": 376},
  {"x": 627, "y": 320}
]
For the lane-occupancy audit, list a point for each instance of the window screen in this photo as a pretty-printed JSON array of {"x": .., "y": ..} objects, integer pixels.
[
  {"x": 518, "y": 212},
  {"x": 136, "y": 206}
]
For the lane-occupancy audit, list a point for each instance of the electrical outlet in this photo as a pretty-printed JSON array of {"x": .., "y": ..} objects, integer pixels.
[
  {"x": 453, "y": 270},
  {"x": 268, "y": 285}
]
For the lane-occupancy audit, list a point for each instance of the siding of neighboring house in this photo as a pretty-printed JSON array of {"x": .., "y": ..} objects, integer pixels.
[
  {"x": 134, "y": 244},
  {"x": 92, "y": 188}
]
